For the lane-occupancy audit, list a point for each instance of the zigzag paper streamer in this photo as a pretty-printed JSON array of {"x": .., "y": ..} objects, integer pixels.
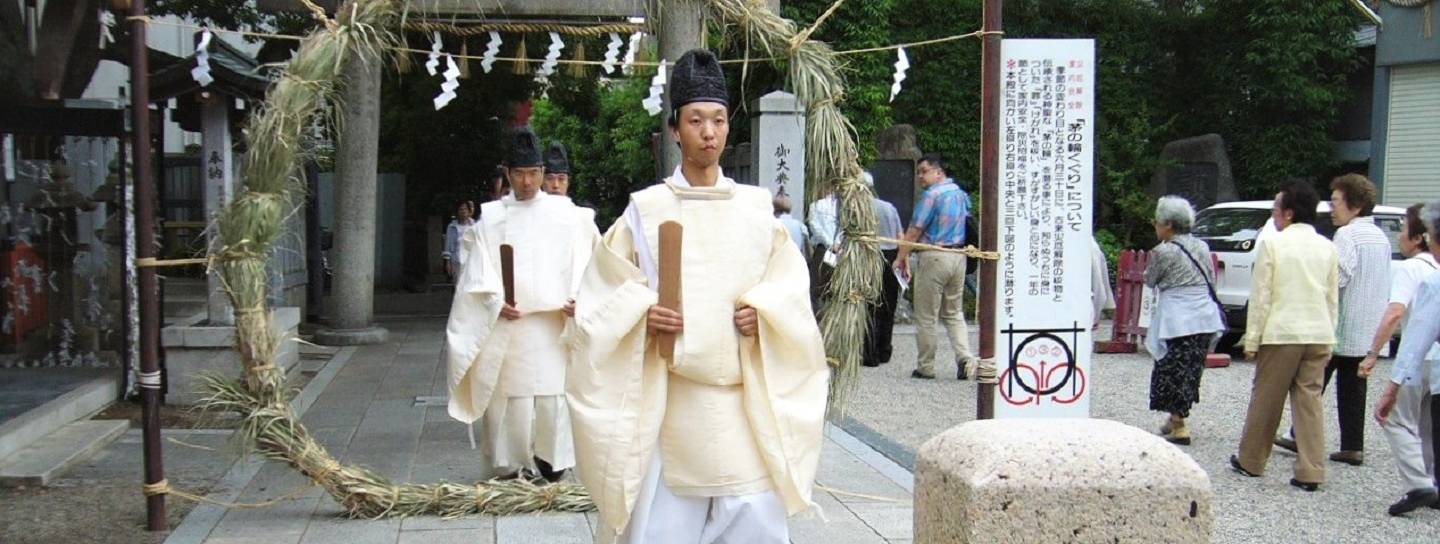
[
  {"x": 552, "y": 58},
  {"x": 452, "y": 82},
  {"x": 491, "y": 50},
  {"x": 629, "y": 66},
  {"x": 901, "y": 65},
  {"x": 107, "y": 22},
  {"x": 612, "y": 53},
  {"x": 201, "y": 71},
  {"x": 435, "y": 46},
  {"x": 654, "y": 103}
]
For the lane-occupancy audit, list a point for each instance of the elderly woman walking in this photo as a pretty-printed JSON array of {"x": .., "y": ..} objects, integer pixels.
[{"x": 1186, "y": 319}]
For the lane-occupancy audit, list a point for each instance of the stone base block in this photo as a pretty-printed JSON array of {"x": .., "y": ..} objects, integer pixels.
[
  {"x": 1058, "y": 480},
  {"x": 352, "y": 337},
  {"x": 194, "y": 349}
]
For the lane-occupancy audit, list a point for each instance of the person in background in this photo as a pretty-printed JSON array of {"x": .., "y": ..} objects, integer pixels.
[
  {"x": 939, "y": 280},
  {"x": 1409, "y": 409},
  {"x": 1101, "y": 297},
  {"x": 557, "y": 171},
  {"x": 824, "y": 222},
  {"x": 878, "y": 346},
  {"x": 454, "y": 232},
  {"x": 797, "y": 230},
  {"x": 1186, "y": 319},
  {"x": 1289, "y": 332},
  {"x": 1364, "y": 252}
]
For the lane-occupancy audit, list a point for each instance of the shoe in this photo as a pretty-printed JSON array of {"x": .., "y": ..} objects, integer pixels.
[
  {"x": 1179, "y": 432},
  {"x": 1307, "y": 486},
  {"x": 1415, "y": 498},
  {"x": 1352, "y": 458},
  {"x": 1235, "y": 465},
  {"x": 1287, "y": 443},
  {"x": 871, "y": 364},
  {"x": 961, "y": 374},
  {"x": 921, "y": 376}
]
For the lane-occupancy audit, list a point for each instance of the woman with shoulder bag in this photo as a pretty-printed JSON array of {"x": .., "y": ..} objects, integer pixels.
[{"x": 1187, "y": 319}]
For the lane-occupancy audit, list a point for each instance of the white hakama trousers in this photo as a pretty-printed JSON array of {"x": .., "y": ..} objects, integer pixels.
[
  {"x": 1409, "y": 433},
  {"x": 661, "y": 517},
  {"x": 519, "y": 429}
]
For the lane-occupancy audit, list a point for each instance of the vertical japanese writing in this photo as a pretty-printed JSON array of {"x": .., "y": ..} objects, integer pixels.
[{"x": 782, "y": 170}]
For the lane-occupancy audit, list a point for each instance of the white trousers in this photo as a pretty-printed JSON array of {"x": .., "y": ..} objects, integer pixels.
[
  {"x": 1409, "y": 433},
  {"x": 519, "y": 429},
  {"x": 661, "y": 517}
]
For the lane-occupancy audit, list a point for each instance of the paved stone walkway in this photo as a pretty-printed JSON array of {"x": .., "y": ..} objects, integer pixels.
[{"x": 382, "y": 407}]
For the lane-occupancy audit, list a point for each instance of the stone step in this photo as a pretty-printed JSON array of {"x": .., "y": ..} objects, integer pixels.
[
  {"x": 51, "y": 456},
  {"x": 184, "y": 306},
  {"x": 80, "y": 403}
]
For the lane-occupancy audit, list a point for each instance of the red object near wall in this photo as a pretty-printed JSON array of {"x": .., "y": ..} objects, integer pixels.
[
  {"x": 25, "y": 300},
  {"x": 1129, "y": 289}
]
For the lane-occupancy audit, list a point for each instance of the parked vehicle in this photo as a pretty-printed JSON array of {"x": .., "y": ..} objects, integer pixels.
[{"x": 1234, "y": 231}]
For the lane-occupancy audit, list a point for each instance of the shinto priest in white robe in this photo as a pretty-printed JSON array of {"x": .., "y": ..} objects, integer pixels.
[
  {"x": 512, "y": 373},
  {"x": 731, "y": 415}
]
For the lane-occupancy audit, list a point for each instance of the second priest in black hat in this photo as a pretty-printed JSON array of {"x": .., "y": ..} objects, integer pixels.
[{"x": 507, "y": 363}]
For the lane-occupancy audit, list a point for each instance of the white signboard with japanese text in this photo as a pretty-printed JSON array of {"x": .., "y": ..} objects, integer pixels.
[{"x": 1047, "y": 149}]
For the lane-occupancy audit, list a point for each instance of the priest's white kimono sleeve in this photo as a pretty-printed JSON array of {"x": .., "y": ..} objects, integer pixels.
[
  {"x": 479, "y": 295},
  {"x": 785, "y": 374}
]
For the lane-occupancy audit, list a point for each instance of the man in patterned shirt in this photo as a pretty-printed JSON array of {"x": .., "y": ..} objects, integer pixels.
[
  {"x": 1364, "y": 290},
  {"x": 939, "y": 219}
]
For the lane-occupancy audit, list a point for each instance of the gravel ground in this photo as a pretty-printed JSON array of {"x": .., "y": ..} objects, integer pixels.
[{"x": 1350, "y": 507}]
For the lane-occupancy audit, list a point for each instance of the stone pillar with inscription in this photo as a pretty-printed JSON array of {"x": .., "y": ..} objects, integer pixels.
[
  {"x": 217, "y": 164},
  {"x": 779, "y": 148}
]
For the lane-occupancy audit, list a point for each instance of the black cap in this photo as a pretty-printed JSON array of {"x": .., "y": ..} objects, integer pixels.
[
  {"x": 557, "y": 161},
  {"x": 697, "y": 77},
  {"x": 524, "y": 149}
]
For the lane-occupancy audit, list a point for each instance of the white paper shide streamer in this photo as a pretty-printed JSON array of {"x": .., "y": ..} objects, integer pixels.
[
  {"x": 452, "y": 82},
  {"x": 612, "y": 53},
  {"x": 201, "y": 72},
  {"x": 433, "y": 63},
  {"x": 491, "y": 50},
  {"x": 107, "y": 22},
  {"x": 902, "y": 63},
  {"x": 654, "y": 103},
  {"x": 629, "y": 67},
  {"x": 552, "y": 59}
]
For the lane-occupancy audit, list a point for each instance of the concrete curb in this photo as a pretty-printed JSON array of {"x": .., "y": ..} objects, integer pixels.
[
  {"x": 198, "y": 524},
  {"x": 894, "y": 451},
  {"x": 872, "y": 457}
]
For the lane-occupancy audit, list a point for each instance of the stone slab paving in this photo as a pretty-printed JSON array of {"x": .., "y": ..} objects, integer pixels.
[
  {"x": 384, "y": 408},
  {"x": 897, "y": 414}
]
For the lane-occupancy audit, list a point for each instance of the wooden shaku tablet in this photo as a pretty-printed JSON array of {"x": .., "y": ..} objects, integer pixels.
[
  {"x": 507, "y": 272},
  {"x": 671, "y": 234}
]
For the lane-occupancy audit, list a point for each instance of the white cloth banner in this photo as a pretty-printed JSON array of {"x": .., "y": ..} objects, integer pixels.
[{"x": 1047, "y": 154}]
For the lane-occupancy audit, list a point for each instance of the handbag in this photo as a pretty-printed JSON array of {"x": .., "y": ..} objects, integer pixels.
[
  {"x": 1224, "y": 323},
  {"x": 972, "y": 238}
]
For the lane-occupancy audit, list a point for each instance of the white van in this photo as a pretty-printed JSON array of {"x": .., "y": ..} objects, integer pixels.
[{"x": 1234, "y": 229}]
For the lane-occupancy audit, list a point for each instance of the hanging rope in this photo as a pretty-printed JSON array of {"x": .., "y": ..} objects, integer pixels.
[{"x": 524, "y": 28}]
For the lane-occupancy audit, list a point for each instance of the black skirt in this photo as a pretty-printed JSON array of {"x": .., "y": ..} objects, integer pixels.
[{"x": 1175, "y": 381}]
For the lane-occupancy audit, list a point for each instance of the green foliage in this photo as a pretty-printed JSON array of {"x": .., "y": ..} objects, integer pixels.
[
  {"x": 1269, "y": 76},
  {"x": 610, "y": 153}
]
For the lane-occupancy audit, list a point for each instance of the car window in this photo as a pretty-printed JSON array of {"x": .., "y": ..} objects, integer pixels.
[
  {"x": 1391, "y": 225},
  {"x": 1324, "y": 226},
  {"x": 1230, "y": 229}
]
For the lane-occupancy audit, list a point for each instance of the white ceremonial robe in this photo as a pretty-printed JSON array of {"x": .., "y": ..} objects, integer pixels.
[
  {"x": 732, "y": 418},
  {"x": 511, "y": 374}
]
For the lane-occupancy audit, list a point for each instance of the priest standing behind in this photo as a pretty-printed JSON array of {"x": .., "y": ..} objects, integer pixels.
[
  {"x": 507, "y": 362},
  {"x": 719, "y": 443}
]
